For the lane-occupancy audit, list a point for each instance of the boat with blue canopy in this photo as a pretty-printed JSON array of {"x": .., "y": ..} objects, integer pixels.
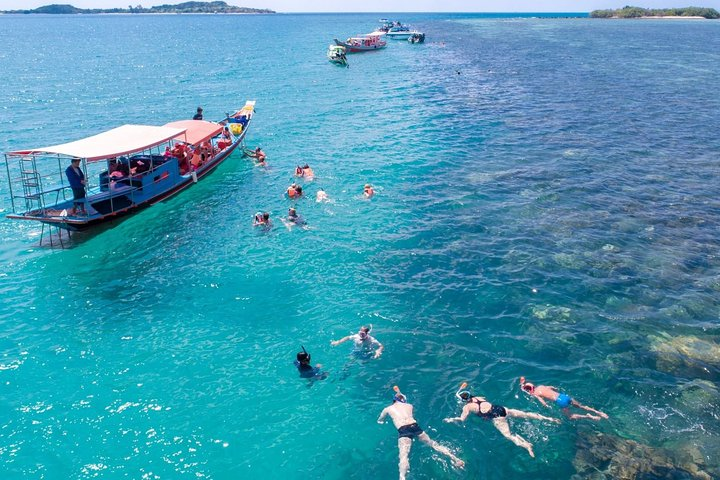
[{"x": 124, "y": 169}]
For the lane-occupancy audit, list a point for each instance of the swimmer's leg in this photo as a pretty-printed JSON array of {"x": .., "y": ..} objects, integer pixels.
[
  {"x": 577, "y": 404},
  {"x": 502, "y": 426},
  {"x": 536, "y": 416},
  {"x": 423, "y": 437},
  {"x": 404, "y": 445}
]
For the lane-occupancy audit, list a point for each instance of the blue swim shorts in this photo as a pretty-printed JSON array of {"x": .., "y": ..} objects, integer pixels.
[{"x": 563, "y": 400}]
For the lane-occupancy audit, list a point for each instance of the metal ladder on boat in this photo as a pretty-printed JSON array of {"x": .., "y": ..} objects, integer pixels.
[
  {"x": 31, "y": 185},
  {"x": 31, "y": 182}
]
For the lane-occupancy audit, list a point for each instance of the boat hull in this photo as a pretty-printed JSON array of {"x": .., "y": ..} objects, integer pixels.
[
  {"x": 352, "y": 48},
  {"x": 399, "y": 35}
]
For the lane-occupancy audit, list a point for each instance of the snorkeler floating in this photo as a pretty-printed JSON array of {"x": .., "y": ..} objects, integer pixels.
[
  {"x": 302, "y": 362},
  {"x": 401, "y": 414},
  {"x": 564, "y": 401},
  {"x": 364, "y": 342},
  {"x": 368, "y": 191},
  {"x": 321, "y": 196},
  {"x": 486, "y": 410}
]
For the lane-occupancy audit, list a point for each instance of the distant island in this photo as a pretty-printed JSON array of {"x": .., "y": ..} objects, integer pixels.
[
  {"x": 187, "y": 7},
  {"x": 638, "y": 12}
]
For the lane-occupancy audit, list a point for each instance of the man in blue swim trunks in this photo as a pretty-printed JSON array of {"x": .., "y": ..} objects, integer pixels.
[
  {"x": 401, "y": 413},
  {"x": 564, "y": 401}
]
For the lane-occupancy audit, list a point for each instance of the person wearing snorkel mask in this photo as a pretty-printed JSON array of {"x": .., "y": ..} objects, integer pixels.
[
  {"x": 302, "y": 363},
  {"x": 401, "y": 414},
  {"x": 497, "y": 414},
  {"x": 364, "y": 342},
  {"x": 563, "y": 400}
]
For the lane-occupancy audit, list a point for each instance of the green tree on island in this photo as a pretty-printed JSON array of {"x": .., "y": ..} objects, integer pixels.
[{"x": 638, "y": 12}]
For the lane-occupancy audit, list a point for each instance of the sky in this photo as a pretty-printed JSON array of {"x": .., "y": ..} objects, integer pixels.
[{"x": 291, "y": 6}]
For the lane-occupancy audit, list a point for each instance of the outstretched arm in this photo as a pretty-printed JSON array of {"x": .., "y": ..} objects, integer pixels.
[
  {"x": 383, "y": 414},
  {"x": 342, "y": 340},
  {"x": 462, "y": 417}
]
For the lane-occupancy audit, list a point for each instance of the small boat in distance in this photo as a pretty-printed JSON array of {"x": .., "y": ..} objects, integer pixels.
[
  {"x": 398, "y": 31},
  {"x": 125, "y": 169},
  {"x": 363, "y": 43},
  {"x": 336, "y": 54}
]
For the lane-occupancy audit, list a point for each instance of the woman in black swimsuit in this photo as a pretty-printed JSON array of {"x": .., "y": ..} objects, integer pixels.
[{"x": 486, "y": 410}]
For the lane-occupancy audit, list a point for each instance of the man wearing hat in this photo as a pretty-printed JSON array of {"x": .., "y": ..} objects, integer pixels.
[{"x": 198, "y": 115}]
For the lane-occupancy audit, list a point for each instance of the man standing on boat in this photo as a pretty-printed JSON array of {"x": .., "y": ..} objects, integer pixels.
[
  {"x": 76, "y": 178},
  {"x": 198, "y": 115}
]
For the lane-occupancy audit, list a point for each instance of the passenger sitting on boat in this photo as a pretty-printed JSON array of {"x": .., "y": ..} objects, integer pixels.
[
  {"x": 196, "y": 160},
  {"x": 178, "y": 151},
  {"x": 225, "y": 139},
  {"x": 136, "y": 166},
  {"x": 118, "y": 168},
  {"x": 167, "y": 153},
  {"x": 183, "y": 165}
]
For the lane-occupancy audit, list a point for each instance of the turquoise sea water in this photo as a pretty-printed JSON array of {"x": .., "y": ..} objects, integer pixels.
[{"x": 547, "y": 206}]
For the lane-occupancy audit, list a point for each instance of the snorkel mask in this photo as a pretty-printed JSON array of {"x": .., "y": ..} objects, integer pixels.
[
  {"x": 462, "y": 394},
  {"x": 526, "y": 387},
  {"x": 303, "y": 356},
  {"x": 399, "y": 397},
  {"x": 364, "y": 332}
]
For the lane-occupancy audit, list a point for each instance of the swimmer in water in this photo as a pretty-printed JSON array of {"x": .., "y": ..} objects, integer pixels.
[
  {"x": 497, "y": 414},
  {"x": 321, "y": 196},
  {"x": 308, "y": 172},
  {"x": 368, "y": 191},
  {"x": 364, "y": 342},
  {"x": 401, "y": 414},
  {"x": 259, "y": 155},
  {"x": 292, "y": 191},
  {"x": 262, "y": 219},
  {"x": 293, "y": 219},
  {"x": 302, "y": 363},
  {"x": 298, "y": 171},
  {"x": 564, "y": 401}
]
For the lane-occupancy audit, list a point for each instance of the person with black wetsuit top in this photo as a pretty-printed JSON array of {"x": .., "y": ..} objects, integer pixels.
[
  {"x": 498, "y": 415},
  {"x": 302, "y": 363},
  {"x": 401, "y": 414}
]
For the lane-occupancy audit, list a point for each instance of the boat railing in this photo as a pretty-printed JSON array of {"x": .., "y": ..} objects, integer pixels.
[{"x": 27, "y": 183}]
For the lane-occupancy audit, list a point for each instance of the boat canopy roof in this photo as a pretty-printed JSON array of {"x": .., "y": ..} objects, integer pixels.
[
  {"x": 113, "y": 143},
  {"x": 196, "y": 131}
]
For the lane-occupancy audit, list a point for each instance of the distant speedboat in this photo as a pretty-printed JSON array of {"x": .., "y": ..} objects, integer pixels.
[
  {"x": 403, "y": 34},
  {"x": 362, "y": 43},
  {"x": 336, "y": 54}
]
